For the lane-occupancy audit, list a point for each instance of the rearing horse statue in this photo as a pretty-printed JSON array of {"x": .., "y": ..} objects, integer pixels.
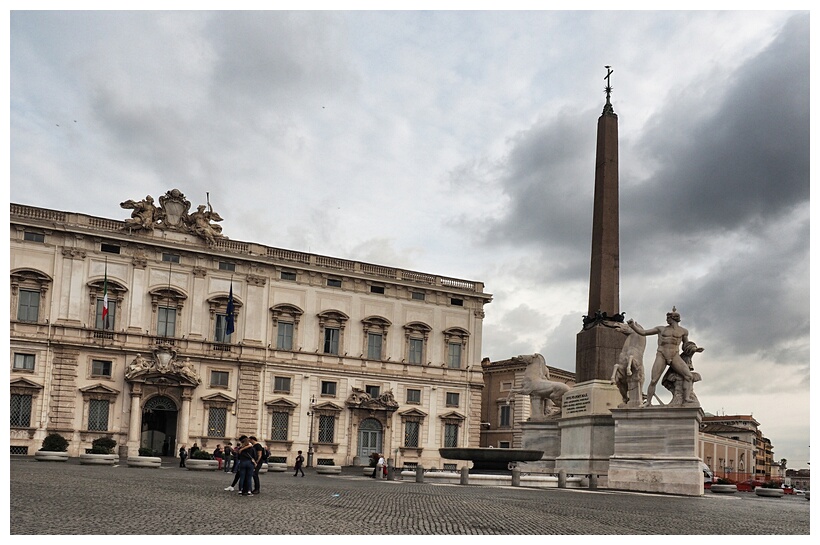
[{"x": 545, "y": 395}]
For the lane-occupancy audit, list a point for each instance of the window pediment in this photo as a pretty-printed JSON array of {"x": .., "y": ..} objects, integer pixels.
[
  {"x": 30, "y": 277},
  {"x": 453, "y": 416},
  {"x": 112, "y": 285},
  {"x": 413, "y": 413},
  {"x": 328, "y": 316},
  {"x": 218, "y": 397},
  {"x": 281, "y": 403},
  {"x": 327, "y": 407},
  {"x": 377, "y": 321},
  {"x": 24, "y": 386},
  {"x": 217, "y": 301},
  {"x": 417, "y": 327},
  {"x": 168, "y": 293},
  {"x": 99, "y": 391}
]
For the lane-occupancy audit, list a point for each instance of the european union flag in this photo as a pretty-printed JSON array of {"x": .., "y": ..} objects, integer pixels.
[{"x": 229, "y": 320}]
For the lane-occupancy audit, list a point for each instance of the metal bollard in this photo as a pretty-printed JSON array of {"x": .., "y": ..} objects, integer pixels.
[
  {"x": 465, "y": 475},
  {"x": 562, "y": 478},
  {"x": 593, "y": 482},
  {"x": 419, "y": 474},
  {"x": 516, "y": 477}
]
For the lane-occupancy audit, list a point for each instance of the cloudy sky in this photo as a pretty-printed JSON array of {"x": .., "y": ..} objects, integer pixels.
[{"x": 463, "y": 144}]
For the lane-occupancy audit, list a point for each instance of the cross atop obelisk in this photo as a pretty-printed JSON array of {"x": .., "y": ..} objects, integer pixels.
[{"x": 597, "y": 345}]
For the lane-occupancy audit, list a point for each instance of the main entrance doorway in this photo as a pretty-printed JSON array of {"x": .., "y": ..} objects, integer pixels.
[
  {"x": 159, "y": 426},
  {"x": 370, "y": 438}
]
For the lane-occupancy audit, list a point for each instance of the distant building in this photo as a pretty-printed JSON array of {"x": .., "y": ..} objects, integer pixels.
[
  {"x": 501, "y": 412},
  {"x": 206, "y": 338},
  {"x": 742, "y": 428}
]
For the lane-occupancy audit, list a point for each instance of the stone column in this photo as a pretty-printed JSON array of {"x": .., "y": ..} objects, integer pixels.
[
  {"x": 184, "y": 418},
  {"x": 134, "y": 420}
]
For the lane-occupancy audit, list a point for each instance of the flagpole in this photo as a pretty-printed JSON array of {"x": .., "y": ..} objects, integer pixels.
[{"x": 105, "y": 297}]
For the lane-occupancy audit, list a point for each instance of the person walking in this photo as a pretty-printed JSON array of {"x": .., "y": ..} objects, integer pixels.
[
  {"x": 259, "y": 455},
  {"x": 218, "y": 456},
  {"x": 380, "y": 467},
  {"x": 246, "y": 466},
  {"x": 183, "y": 454},
  {"x": 299, "y": 461},
  {"x": 227, "y": 453}
]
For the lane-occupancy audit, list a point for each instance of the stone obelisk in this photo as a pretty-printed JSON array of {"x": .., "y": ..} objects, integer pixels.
[
  {"x": 597, "y": 346},
  {"x": 586, "y": 427}
]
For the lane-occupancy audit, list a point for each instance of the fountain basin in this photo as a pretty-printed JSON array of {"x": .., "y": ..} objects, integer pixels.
[{"x": 491, "y": 459}]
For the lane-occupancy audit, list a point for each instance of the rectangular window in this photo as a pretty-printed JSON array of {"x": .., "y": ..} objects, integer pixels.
[
  {"x": 327, "y": 423},
  {"x": 331, "y": 340},
  {"x": 112, "y": 314},
  {"x": 284, "y": 336},
  {"x": 454, "y": 355},
  {"x": 334, "y": 283},
  {"x": 281, "y": 385},
  {"x": 411, "y": 434},
  {"x": 170, "y": 258},
  {"x": 328, "y": 388},
  {"x": 98, "y": 415},
  {"x": 24, "y": 361},
  {"x": 451, "y": 399},
  {"x": 417, "y": 295},
  {"x": 416, "y": 348},
  {"x": 34, "y": 237},
  {"x": 413, "y": 395},
  {"x": 450, "y": 435},
  {"x": 504, "y": 416},
  {"x": 109, "y": 248},
  {"x": 374, "y": 346},
  {"x": 457, "y": 302},
  {"x": 279, "y": 427},
  {"x": 288, "y": 275},
  {"x": 28, "y": 305},
  {"x": 219, "y": 379},
  {"x": 372, "y": 391},
  {"x": 226, "y": 266},
  {"x": 217, "y": 418},
  {"x": 20, "y": 411},
  {"x": 506, "y": 386},
  {"x": 166, "y": 321},
  {"x": 503, "y": 444},
  {"x": 220, "y": 335},
  {"x": 100, "y": 368},
  {"x": 376, "y": 289}
]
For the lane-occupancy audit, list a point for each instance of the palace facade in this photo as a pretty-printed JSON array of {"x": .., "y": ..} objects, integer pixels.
[{"x": 158, "y": 331}]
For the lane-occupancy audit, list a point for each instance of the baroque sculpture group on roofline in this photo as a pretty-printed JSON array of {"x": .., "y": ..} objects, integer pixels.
[
  {"x": 672, "y": 368},
  {"x": 173, "y": 214}
]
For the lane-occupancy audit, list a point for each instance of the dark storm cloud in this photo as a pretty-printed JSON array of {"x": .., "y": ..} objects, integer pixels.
[
  {"x": 745, "y": 162},
  {"x": 547, "y": 178}
]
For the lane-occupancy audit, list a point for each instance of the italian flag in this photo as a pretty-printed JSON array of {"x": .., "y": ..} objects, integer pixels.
[{"x": 105, "y": 298}]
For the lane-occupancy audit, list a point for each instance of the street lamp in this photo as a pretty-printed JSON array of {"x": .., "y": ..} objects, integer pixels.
[{"x": 310, "y": 413}]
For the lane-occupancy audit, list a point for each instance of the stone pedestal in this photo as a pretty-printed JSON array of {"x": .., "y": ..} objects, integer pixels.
[
  {"x": 656, "y": 451},
  {"x": 587, "y": 429},
  {"x": 544, "y": 436}
]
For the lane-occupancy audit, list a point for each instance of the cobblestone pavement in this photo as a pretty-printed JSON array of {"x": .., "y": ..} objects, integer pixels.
[{"x": 69, "y": 498}]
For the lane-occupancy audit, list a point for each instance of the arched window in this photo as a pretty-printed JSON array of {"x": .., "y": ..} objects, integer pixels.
[
  {"x": 28, "y": 294},
  {"x": 415, "y": 336},
  {"x": 331, "y": 331},
  {"x": 455, "y": 346},
  {"x": 286, "y": 324},
  {"x": 375, "y": 337},
  {"x": 166, "y": 304}
]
